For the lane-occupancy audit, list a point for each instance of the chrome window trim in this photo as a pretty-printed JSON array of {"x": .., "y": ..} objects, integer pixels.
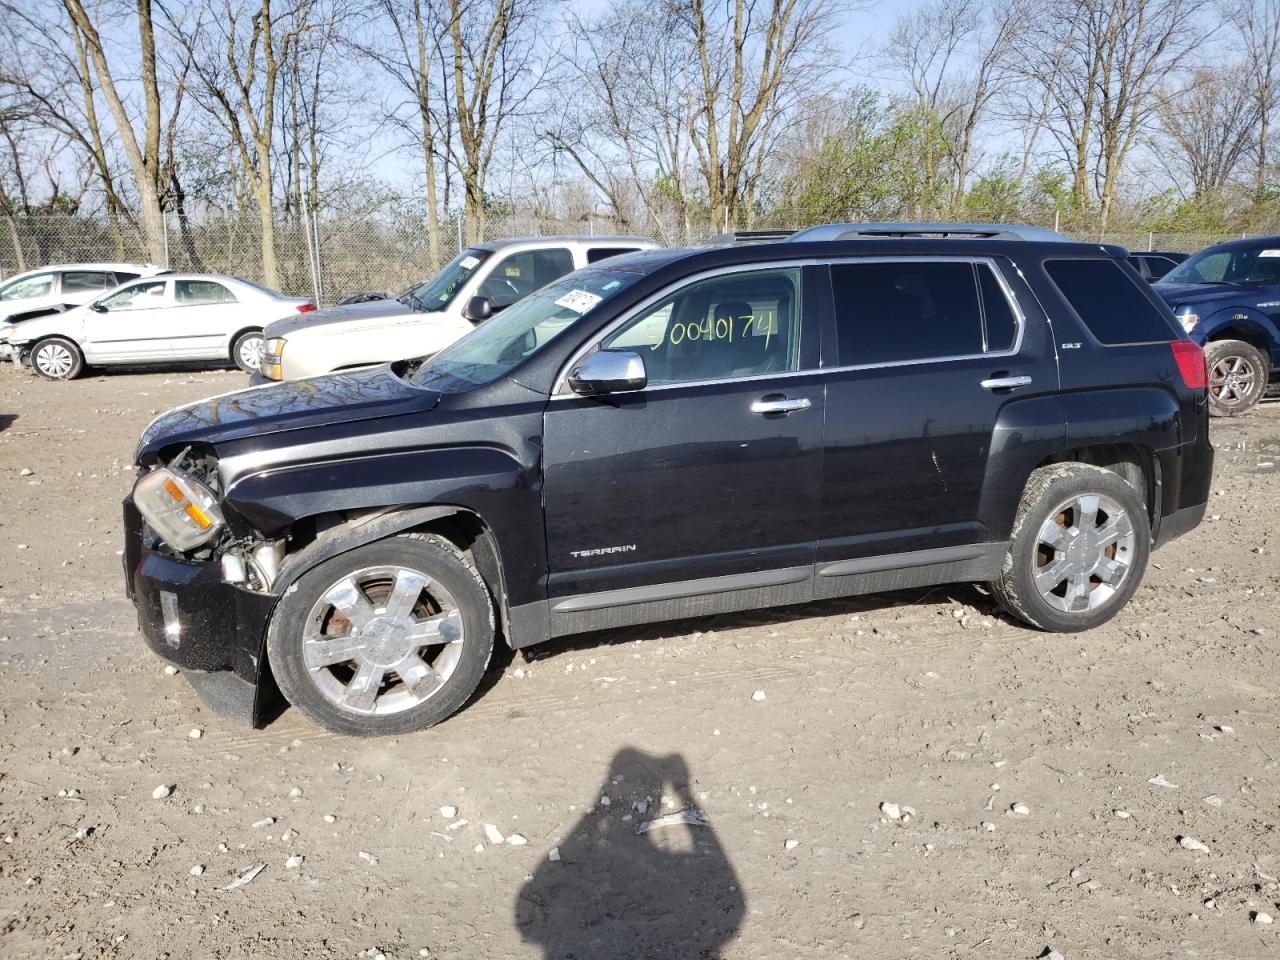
[{"x": 560, "y": 389}]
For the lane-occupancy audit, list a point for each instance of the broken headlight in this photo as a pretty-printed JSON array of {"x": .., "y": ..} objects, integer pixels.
[{"x": 181, "y": 510}]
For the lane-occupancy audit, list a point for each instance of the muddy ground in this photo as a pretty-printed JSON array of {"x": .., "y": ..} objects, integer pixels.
[{"x": 924, "y": 699}]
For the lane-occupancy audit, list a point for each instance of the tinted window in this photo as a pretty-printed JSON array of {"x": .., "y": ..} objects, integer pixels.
[
  {"x": 124, "y": 277},
  {"x": 1158, "y": 266},
  {"x": 891, "y": 312},
  {"x": 603, "y": 253},
  {"x": 999, "y": 323},
  {"x": 140, "y": 296},
  {"x": 739, "y": 325},
  {"x": 1111, "y": 305},
  {"x": 86, "y": 281},
  {"x": 517, "y": 276},
  {"x": 41, "y": 285},
  {"x": 191, "y": 292}
]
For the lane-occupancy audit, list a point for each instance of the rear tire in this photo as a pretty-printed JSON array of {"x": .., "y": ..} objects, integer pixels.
[
  {"x": 246, "y": 352},
  {"x": 1079, "y": 549},
  {"x": 57, "y": 359},
  {"x": 388, "y": 638},
  {"x": 1238, "y": 373}
]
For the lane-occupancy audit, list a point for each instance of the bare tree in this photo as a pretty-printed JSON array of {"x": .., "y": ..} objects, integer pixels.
[
  {"x": 748, "y": 54},
  {"x": 1258, "y": 24},
  {"x": 1211, "y": 124},
  {"x": 1110, "y": 61},
  {"x": 144, "y": 156}
]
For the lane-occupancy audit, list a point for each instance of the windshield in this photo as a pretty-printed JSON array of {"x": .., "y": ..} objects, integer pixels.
[
  {"x": 1259, "y": 264},
  {"x": 497, "y": 346},
  {"x": 438, "y": 292}
]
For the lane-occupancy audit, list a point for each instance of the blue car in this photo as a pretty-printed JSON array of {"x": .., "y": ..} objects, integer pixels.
[{"x": 1227, "y": 298}]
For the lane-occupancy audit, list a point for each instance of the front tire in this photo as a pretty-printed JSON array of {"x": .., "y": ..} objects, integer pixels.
[
  {"x": 1080, "y": 544},
  {"x": 1237, "y": 377},
  {"x": 246, "y": 352},
  {"x": 57, "y": 359},
  {"x": 388, "y": 638}
]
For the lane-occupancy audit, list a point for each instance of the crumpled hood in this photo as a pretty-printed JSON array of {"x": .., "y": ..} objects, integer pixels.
[
  {"x": 334, "y": 398},
  {"x": 1224, "y": 295},
  {"x": 370, "y": 310}
]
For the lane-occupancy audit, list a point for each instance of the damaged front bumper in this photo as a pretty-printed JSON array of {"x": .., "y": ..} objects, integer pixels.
[{"x": 212, "y": 630}]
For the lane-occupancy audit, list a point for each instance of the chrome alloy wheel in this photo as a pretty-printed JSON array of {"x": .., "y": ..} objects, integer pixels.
[
  {"x": 250, "y": 353},
  {"x": 54, "y": 360},
  {"x": 382, "y": 640},
  {"x": 1233, "y": 381},
  {"x": 1084, "y": 553}
]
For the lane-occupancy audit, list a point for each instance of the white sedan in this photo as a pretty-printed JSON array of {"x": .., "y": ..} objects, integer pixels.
[{"x": 177, "y": 316}]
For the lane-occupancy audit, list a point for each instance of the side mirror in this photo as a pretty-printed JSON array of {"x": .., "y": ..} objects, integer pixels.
[
  {"x": 477, "y": 310},
  {"x": 97, "y": 307},
  {"x": 608, "y": 371}
]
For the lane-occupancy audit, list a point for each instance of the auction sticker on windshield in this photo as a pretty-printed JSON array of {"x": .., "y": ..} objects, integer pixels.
[
  {"x": 1269, "y": 253},
  {"x": 579, "y": 301},
  {"x": 469, "y": 263}
]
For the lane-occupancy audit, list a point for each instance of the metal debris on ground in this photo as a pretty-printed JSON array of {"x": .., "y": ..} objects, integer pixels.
[{"x": 693, "y": 817}]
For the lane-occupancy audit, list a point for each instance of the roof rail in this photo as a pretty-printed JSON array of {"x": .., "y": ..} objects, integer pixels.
[
  {"x": 977, "y": 231},
  {"x": 749, "y": 236}
]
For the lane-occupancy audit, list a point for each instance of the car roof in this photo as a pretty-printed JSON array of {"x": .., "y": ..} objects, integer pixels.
[
  {"x": 598, "y": 241},
  {"x": 1245, "y": 242},
  {"x": 95, "y": 265}
]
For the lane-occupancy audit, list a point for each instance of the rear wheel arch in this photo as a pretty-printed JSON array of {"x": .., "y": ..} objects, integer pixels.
[{"x": 1135, "y": 464}]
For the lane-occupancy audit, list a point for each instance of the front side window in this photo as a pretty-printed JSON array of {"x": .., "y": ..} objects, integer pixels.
[
  {"x": 195, "y": 292},
  {"x": 140, "y": 296},
  {"x": 903, "y": 311},
  {"x": 86, "y": 281},
  {"x": 1258, "y": 264},
  {"x": 498, "y": 346},
  {"x": 726, "y": 327},
  {"x": 518, "y": 275},
  {"x": 40, "y": 285}
]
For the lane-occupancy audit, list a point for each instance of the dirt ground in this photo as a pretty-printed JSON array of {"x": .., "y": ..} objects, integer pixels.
[{"x": 924, "y": 699}]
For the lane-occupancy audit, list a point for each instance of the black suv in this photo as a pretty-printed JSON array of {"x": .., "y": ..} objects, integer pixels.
[{"x": 671, "y": 434}]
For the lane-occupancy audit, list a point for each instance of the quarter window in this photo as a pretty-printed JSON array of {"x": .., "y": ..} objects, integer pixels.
[
  {"x": 140, "y": 296},
  {"x": 894, "y": 312},
  {"x": 41, "y": 285},
  {"x": 1113, "y": 307},
  {"x": 596, "y": 254},
  {"x": 726, "y": 327},
  {"x": 195, "y": 292},
  {"x": 517, "y": 276}
]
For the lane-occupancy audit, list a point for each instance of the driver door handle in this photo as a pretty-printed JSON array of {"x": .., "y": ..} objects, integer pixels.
[
  {"x": 774, "y": 404},
  {"x": 1005, "y": 383}
]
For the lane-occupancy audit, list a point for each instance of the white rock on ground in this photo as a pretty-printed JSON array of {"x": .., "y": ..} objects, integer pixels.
[
  {"x": 1020, "y": 809},
  {"x": 1191, "y": 843},
  {"x": 197, "y": 869},
  {"x": 517, "y": 840},
  {"x": 195, "y": 733},
  {"x": 1262, "y": 918},
  {"x": 554, "y": 855},
  {"x": 791, "y": 844},
  {"x": 330, "y": 818},
  {"x": 294, "y": 862},
  {"x": 448, "y": 811},
  {"x": 170, "y": 670},
  {"x": 368, "y": 858},
  {"x": 891, "y": 810},
  {"x": 493, "y": 834},
  {"x": 758, "y": 695},
  {"x": 264, "y": 822},
  {"x": 162, "y": 791}
]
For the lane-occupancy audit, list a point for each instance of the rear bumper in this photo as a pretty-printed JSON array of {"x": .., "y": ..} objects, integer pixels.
[{"x": 212, "y": 630}]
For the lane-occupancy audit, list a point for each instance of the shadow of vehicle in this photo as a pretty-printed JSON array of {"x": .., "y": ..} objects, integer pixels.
[
  {"x": 6, "y": 420},
  {"x": 630, "y": 889}
]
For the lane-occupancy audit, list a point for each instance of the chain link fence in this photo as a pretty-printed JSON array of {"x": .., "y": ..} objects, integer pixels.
[{"x": 329, "y": 258}]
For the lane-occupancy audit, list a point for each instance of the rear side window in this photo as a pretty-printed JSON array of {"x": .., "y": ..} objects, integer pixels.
[
  {"x": 596, "y": 254},
  {"x": 86, "y": 281},
  {"x": 194, "y": 292},
  {"x": 918, "y": 310},
  {"x": 1111, "y": 305}
]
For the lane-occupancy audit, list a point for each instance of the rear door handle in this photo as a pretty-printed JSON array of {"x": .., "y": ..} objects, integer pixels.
[
  {"x": 767, "y": 405},
  {"x": 1005, "y": 383}
]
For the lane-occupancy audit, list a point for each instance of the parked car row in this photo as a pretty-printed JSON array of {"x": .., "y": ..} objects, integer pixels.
[{"x": 60, "y": 319}]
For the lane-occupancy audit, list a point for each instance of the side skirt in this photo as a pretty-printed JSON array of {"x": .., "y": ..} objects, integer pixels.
[{"x": 533, "y": 623}]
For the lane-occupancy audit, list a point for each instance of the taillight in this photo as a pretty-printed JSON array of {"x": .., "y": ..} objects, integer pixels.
[
  {"x": 306, "y": 307},
  {"x": 1190, "y": 359}
]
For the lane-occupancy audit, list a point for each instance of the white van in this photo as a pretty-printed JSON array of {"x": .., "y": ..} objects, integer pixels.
[{"x": 428, "y": 317}]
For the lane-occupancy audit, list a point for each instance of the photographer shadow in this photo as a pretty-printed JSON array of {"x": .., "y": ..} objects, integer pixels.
[{"x": 669, "y": 893}]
